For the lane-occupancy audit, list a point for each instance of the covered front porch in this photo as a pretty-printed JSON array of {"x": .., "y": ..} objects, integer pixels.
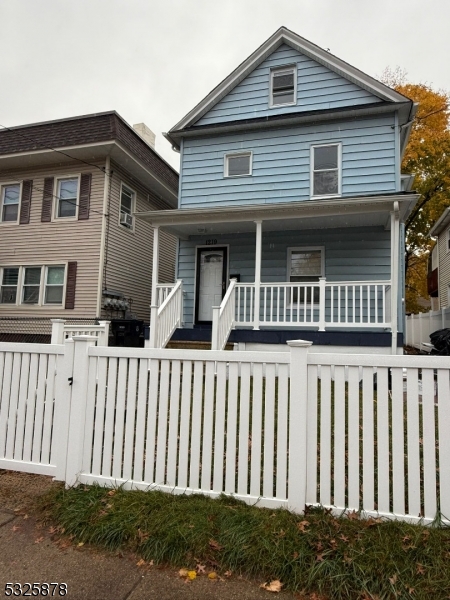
[{"x": 330, "y": 268}]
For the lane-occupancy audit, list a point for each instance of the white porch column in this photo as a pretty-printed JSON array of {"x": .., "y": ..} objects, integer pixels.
[
  {"x": 395, "y": 237},
  {"x": 257, "y": 274}
]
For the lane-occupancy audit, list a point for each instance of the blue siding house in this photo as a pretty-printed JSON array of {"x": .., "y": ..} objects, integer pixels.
[{"x": 291, "y": 208}]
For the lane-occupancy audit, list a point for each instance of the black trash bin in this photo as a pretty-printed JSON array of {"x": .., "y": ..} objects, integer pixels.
[{"x": 127, "y": 333}]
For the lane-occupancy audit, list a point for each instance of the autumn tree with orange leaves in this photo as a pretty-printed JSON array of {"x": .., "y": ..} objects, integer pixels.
[{"x": 427, "y": 156}]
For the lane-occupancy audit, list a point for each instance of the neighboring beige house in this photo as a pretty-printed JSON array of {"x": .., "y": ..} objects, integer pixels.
[
  {"x": 439, "y": 269},
  {"x": 70, "y": 246}
]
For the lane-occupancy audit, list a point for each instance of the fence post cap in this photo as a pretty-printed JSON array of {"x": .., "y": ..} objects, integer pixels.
[
  {"x": 84, "y": 338},
  {"x": 58, "y": 320},
  {"x": 299, "y": 343}
]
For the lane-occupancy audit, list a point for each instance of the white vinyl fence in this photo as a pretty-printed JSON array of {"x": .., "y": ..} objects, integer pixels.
[
  {"x": 419, "y": 327},
  {"x": 366, "y": 433}
]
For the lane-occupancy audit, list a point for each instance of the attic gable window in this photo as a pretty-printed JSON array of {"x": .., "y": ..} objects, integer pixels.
[
  {"x": 283, "y": 88},
  {"x": 238, "y": 165}
]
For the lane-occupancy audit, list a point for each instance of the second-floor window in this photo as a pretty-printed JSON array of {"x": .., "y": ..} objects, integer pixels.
[
  {"x": 67, "y": 197},
  {"x": 283, "y": 86},
  {"x": 10, "y": 202},
  {"x": 127, "y": 206},
  {"x": 238, "y": 164},
  {"x": 326, "y": 170}
]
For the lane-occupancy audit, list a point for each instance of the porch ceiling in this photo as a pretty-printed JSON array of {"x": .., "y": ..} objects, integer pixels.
[{"x": 308, "y": 214}]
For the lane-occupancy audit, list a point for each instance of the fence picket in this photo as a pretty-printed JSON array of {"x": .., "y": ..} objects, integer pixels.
[
  {"x": 39, "y": 410},
  {"x": 429, "y": 443},
  {"x": 398, "y": 471},
  {"x": 383, "y": 439},
  {"x": 444, "y": 441},
  {"x": 197, "y": 406},
  {"x": 130, "y": 419},
  {"x": 151, "y": 420},
  {"x": 163, "y": 407},
  {"x": 97, "y": 452},
  {"x": 185, "y": 416},
  {"x": 311, "y": 428},
  {"x": 13, "y": 406},
  {"x": 231, "y": 423},
  {"x": 325, "y": 435},
  {"x": 109, "y": 417},
  {"x": 339, "y": 437},
  {"x": 31, "y": 402},
  {"x": 219, "y": 433},
  {"x": 119, "y": 418},
  {"x": 48, "y": 409},
  {"x": 255, "y": 464},
  {"x": 281, "y": 451},
  {"x": 139, "y": 448},
  {"x": 172, "y": 444},
  {"x": 244, "y": 419},
  {"x": 4, "y": 406},
  {"x": 90, "y": 412},
  {"x": 269, "y": 437},
  {"x": 412, "y": 392},
  {"x": 208, "y": 421},
  {"x": 353, "y": 437},
  {"x": 22, "y": 406}
]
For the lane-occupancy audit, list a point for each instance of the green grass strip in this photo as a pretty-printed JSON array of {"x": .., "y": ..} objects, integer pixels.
[{"x": 341, "y": 558}]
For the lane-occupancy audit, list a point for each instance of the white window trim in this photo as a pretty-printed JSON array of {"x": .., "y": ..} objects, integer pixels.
[
  {"x": 133, "y": 206},
  {"x": 311, "y": 170},
  {"x": 20, "y": 283},
  {"x": 228, "y": 155},
  {"x": 56, "y": 197},
  {"x": 2, "y": 195},
  {"x": 277, "y": 70},
  {"x": 289, "y": 259}
]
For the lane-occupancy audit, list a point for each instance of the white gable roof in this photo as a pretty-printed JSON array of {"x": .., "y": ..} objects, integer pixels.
[{"x": 285, "y": 36}]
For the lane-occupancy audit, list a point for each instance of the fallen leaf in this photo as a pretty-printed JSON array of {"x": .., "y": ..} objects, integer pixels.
[
  {"x": 343, "y": 538},
  {"x": 39, "y": 540},
  {"x": 111, "y": 492},
  {"x": 191, "y": 575},
  {"x": 52, "y": 530},
  {"x": 228, "y": 573},
  {"x": 183, "y": 572},
  {"x": 420, "y": 569},
  {"x": 26, "y": 517},
  {"x": 353, "y": 515},
  {"x": 200, "y": 569},
  {"x": 393, "y": 579},
  {"x": 215, "y": 545},
  {"x": 80, "y": 544},
  {"x": 273, "y": 586},
  {"x": 140, "y": 563},
  {"x": 15, "y": 528},
  {"x": 319, "y": 558},
  {"x": 212, "y": 575},
  {"x": 301, "y": 526},
  {"x": 295, "y": 555}
]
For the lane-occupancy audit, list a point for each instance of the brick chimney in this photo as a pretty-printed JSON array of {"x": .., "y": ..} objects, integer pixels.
[{"x": 146, "y": 134}]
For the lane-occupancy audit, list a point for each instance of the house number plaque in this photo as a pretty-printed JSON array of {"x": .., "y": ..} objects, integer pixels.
[{"x": 211, "y": 242}]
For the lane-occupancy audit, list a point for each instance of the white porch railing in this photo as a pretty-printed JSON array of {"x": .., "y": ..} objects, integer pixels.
[
  {"x": 167, "y": 317},
  {"x": 224, "y": 318},
  {"x": 319, "y": 304},
  {"x": 162, "y": 291},
  {"x": 62, "y": 331}
]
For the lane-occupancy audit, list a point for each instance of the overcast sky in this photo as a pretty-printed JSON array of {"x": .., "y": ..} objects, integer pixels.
[{"x": 153, "y": 60}]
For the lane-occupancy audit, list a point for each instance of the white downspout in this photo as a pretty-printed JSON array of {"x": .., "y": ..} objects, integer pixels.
[
  {"x": 395, "y": 236},
  {"x": 103, "y": 235}
]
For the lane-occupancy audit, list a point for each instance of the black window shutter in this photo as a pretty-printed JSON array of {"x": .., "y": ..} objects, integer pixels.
[
  {"x": 25, "y": 203},
  {"x": 85, "y": 196},
  {"x": 71, "y": 283},
  {"x": 47, "y": 200}
]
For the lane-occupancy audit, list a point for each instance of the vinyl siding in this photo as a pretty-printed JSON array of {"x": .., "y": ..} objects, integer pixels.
[
  {"x": 352, "y": 254},
  {"x": 56, "y": 242},
  {"x": 130, "y": 253},
  {"x": 317, "y": 88},
  {"x": 444, "y": 269},
  {"x": 281, "y": 163}
]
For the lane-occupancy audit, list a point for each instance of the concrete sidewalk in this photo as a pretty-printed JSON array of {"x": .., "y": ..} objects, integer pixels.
[{"x": 30, "y": 553}]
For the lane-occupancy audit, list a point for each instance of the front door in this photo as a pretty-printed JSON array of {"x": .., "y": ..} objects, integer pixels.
[{"x": 211, "y": 281}]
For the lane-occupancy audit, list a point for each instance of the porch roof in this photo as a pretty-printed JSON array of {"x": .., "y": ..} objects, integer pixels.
[{"x": 360, "y": 211}]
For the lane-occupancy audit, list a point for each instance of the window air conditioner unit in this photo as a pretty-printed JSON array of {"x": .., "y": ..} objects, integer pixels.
[{"x": 126, "y": 219}]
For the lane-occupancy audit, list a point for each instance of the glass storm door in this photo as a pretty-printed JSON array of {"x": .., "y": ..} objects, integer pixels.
[{"x": 211, "y": 274}]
